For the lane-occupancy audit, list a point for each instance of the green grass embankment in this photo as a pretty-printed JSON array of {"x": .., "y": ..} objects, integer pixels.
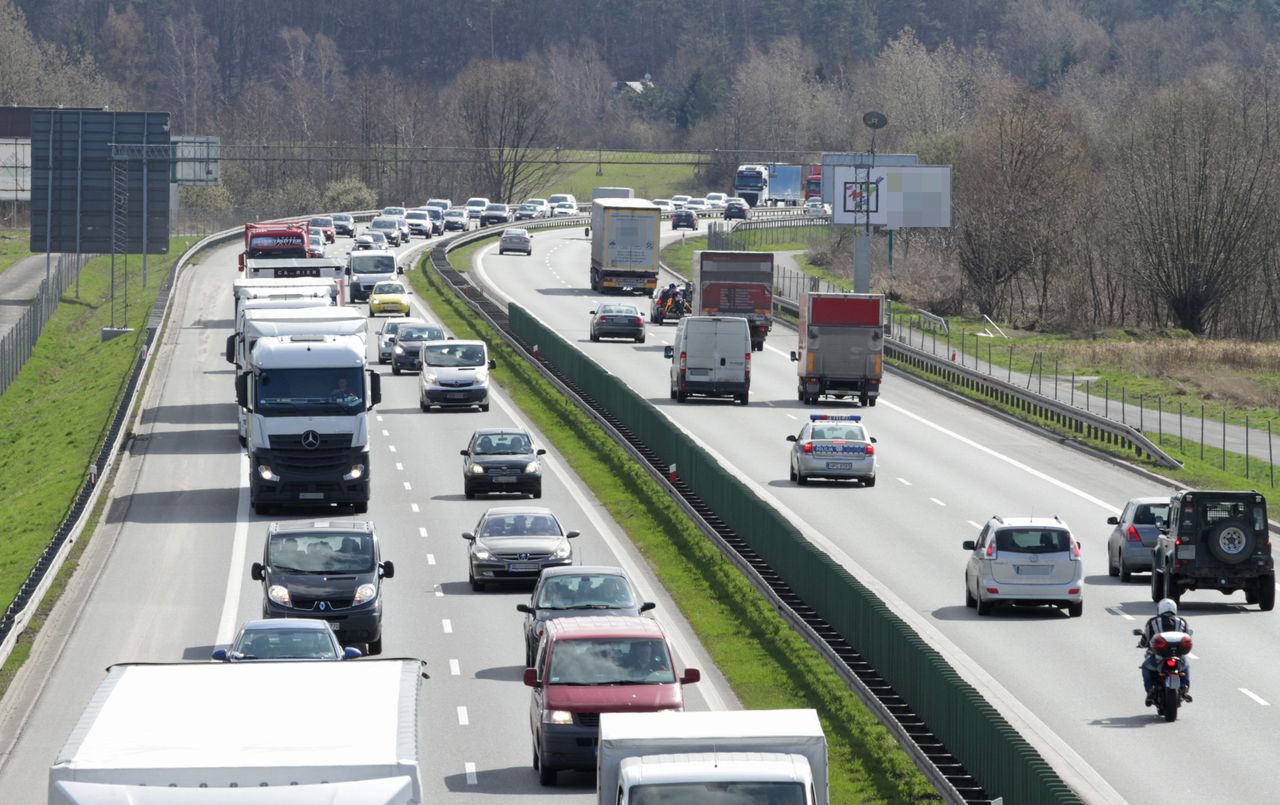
[
  {"x": 765, "y": 661},
  {"x": 13, "y": 247}
]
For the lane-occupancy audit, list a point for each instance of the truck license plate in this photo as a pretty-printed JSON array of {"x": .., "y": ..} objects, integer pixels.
[{"x": 839, "y": 465}]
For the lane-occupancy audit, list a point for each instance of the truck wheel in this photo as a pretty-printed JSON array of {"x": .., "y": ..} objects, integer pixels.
[
  {"x": 1172, "y": 589},
  {"x": 1267, "y": 592},
  {"x": 1231, "y": 541},
  {"x": 873, "y": 402},
  {"x": 680, "y": 396},
  {"x": 361, "y": 507},
  {"x": 742, "y": 398},
  {"x": 864, "y": 400},
  {"x": 673, "y": 393}
]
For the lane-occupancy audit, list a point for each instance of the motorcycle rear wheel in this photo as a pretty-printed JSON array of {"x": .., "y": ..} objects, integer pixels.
[{"x": 1169, "y": 708}]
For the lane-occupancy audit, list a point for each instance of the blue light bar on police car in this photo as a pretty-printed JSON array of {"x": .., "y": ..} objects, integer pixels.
[{"x": 834, "y": 418}]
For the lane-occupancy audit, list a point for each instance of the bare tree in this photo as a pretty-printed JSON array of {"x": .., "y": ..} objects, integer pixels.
[
  {"x": 505, "y": 114},
  {"x": 188, "y": 82}
]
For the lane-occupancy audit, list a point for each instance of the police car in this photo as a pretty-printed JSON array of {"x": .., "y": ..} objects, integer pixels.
[{"x": 831, "y": 446}]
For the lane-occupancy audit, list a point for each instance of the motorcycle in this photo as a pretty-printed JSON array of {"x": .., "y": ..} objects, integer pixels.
[{"x": 1166, "y": 654}]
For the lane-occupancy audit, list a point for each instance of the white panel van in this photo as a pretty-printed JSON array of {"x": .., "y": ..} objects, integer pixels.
[{"x": 711, "y": 357}]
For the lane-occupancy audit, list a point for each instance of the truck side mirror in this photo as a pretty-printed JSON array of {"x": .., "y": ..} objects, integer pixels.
[
  {"x": 691, "y": 676},
  {"x": 668, "y": 352},
  {"x": 375, "y": 388},
  {"x": 795, "y": 356},
  {"x": 242, "y": 391},
  {"x": 255, "y": 571},
  {"x": 399, "y": 269},
  {"x": 231, "y": 348},
  {"x": 531, "y": 678},
  {"x": 388, "y": 569}
]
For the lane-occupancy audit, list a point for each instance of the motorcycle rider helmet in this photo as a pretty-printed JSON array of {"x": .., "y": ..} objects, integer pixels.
[
  {"x": 1167, "y": 606},
  {"x": 671, "y": 286}
]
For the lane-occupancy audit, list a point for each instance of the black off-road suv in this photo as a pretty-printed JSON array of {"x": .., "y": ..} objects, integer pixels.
[{"x": 1215, "y": 540}]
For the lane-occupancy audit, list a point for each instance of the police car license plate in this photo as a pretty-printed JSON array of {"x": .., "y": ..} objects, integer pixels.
[
  {"x": 333, "y": 625},
  {"x": 522, "y": 568},
  {"x": 839, "y": 465},
  {"x": 505, "y": 479}
]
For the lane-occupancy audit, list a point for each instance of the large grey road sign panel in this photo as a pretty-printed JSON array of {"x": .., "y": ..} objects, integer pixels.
[{"x": 72, "y": 189}]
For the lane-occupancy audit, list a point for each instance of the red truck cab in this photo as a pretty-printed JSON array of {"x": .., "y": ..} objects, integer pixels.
[
  {"x": 813, "y": 183},
  {"x": 586, "y": 666},
  {"x": 275, "y": 240}
]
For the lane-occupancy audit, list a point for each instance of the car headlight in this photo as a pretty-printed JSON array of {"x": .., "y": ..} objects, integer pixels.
[
  {"x": 399, "y": 350},
  {"x": 279, "y": 595},
  {"x": 563, "y": 550},
  {"x": 532, "y": 466},
  {"x": 365, "y": 592},
  {"x": 561, "y": 717},
  {"x": 476, "y": 469},
  {"x": 430, "y": 378},
  {"x": 481, "y": 552}
]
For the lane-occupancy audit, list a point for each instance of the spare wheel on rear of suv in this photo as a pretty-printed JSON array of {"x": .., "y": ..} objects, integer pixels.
[{"x": 1231, "y": 541}]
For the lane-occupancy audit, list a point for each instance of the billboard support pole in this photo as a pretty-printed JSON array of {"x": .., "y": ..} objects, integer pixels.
[{"x": 48, "y": 226}]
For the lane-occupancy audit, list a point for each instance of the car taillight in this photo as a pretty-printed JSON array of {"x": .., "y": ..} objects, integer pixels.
[
  {"x": 600, "y": 320},
  {"x": 1131, "y": 534},
  {"x": 683, "y": 358},
  {"x": 1075, "y": 549},
  {"x": 991, "y": 550},
  {"x": 807, "y": 447},
  {"x": 871, "y": 449},
  {"x": 638, "y": 320}
]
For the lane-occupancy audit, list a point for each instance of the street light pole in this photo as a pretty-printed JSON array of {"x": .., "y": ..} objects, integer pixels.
[{"x": 862, "y": 243}]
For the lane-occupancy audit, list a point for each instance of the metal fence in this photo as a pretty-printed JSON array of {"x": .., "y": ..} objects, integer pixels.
[
  {"x": 17, "y": 344},
  {"x": 761, "y": 235}
]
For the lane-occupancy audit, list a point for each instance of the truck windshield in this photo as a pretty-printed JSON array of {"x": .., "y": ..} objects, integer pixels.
[
  {"x": 611, "y": 661},
  {"x": 329, "y": 391},
  {"x": 718, "y": 792},
  {"x": 373, "y": 264},
  {"x": 749, "y": 180},
  {"x": 321, "y": 553}
]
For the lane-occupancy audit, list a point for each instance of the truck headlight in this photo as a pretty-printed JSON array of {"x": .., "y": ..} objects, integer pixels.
[
  {"x": 562, "y": 551},
  {"x": 264, "y": 471},
  {"x": 365, "y": 592},
  {"x": 476, "y": 469},
  {"x": 357, "y": 472},
  {"x": 279, "y": 595},
  {"x": 561, "y": 717},
  {"x": 532, "y": 466}
]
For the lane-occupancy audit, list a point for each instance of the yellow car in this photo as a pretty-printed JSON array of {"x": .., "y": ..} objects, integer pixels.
[{"x": 389, "y": 297}]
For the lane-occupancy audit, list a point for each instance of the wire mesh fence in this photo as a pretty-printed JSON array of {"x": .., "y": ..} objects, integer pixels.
[
  {"x": 764, "y": 235},
  {"x": 17, "y": 344}
]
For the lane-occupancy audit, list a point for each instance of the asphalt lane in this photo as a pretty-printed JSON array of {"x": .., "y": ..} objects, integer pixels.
[
  {"x": 1072, "y": 685},
  {"x": 173, "y": 580}
]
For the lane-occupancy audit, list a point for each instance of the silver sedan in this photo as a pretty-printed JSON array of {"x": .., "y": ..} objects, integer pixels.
[
  {"x": 830, "y": 446},
  {"x": 1134, "y": 534}
]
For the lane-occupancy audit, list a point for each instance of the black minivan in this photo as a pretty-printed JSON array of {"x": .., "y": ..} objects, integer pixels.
[{"x": 331, "y": 570}]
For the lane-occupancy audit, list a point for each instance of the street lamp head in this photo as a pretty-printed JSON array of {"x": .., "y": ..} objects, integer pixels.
[{"x": 874, "y": 120}]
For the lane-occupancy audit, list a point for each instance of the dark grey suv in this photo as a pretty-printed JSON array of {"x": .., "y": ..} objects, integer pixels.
[
  {"x": 1215, "y": 540},
  {"x": 330, "y": 570}
]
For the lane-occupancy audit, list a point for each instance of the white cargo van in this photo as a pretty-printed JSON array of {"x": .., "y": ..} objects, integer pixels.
[
  {"x": 711, "y": 357},
  {"x": 366, "y": 268}
]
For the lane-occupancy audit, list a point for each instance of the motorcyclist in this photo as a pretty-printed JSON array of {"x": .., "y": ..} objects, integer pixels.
[
  {"x": 1166, "y": 620},
  {"x": 666, "y": 295}
]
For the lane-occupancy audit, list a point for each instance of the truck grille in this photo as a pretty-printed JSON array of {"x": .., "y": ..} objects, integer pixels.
[{"x": 331, "y": 452}]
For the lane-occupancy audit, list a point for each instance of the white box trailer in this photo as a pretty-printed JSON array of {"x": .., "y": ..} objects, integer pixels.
[
  {"x": 775, "y": 755},
  {"x": 626, "y": 236},
  {"x": 245, "y": 288},
  {"x": 267, "y": 733}
]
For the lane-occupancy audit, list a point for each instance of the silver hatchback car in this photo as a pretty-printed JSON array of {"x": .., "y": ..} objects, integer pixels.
[
  {"x": 1024, "y": 560},
  {"x": 830, "y": 446},
  {"x": 1134, "y": 536}
]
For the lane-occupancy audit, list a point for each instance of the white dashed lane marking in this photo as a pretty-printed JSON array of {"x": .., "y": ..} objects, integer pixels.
[
  {"x": 422, "y": 532},
  {"x": 407, "y": 488},
  {"x": 413, "y": 507},
  {"x": 454, "y": 668},
  {"x": 935, "y": 500},
  {"x": 391, "y": 447},
  {"x": 431, "y": 558},
  {"x": 386, "y": 432},
  {"x": 399, "y": 466},
  {"x": 904, "y": 482},
  {"x": 448, "y": 626},
  {"x": 1255, "y": 697},
  {"x": 470, "y": 769},
  {"x": 463, "y": 720}
]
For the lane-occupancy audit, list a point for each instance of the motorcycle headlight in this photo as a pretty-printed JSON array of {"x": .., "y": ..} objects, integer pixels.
[
  {"x": 279, "y": 595},
  {"x": 532, "y": 466},
  {"x": 365, "y": 592},
  {"x": 563, "y": 550},
  {"x": 481, "y": 552}
]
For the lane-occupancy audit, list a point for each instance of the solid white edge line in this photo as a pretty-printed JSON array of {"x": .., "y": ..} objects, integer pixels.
[
  {"x": 1255, "y": 697},
  {"x": 235, "y": 573},
  {"x": 470, "y": 769},
  {"x": 454, "y": 668}
]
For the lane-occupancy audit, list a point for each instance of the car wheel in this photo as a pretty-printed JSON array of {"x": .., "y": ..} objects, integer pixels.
[
  {"x": 537, "y": 491},
  {"x": 1125, "y": 574},
  {"x": 869, "y": 481},
  {"x": 1113, "y": 566},
  {"x": 501, "y": 252},
  {"x": 680, "y": 396},
  {"x": 469, "y": 493},
  {"x": 476, "y": 586},
  {"x": 969, "y": 600},
  {"x": 640, "y": 338},
  {"x": 1267, "y": 592},
  {"x": 360, "y": 508},
  {"x": 395, "y": 370},
  {"x": 594, "y": 337},
  {"x": 423, "y": 405},
  {"x": 1076, "y": 609},
  {"x": 374, "y": 647},
  {"x": 984, "y": 607},
  {"x": 546, "y": 776},
  {"x": 801, "y": 478},
  {"x": 673, "y": 392},
  {"x": 484, "y": 407}
]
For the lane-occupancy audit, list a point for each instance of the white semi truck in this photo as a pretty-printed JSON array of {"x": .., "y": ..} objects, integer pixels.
[
  {"x": 258, "y": 322},
  {"x": 672, "y": 758},
  {"x": 307, "y": 399},
  {"x": 262, "y": 733}
]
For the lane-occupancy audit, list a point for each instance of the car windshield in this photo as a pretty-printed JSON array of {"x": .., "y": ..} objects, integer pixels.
[
  {"x": 377, "y": 237},
  {"x": 476, "y": 203},
  {"x": 343, "y": 218},
  {"x": 585, "y": 591},
  {"x": 388, "y": 288},
  {"x": 853, "y": 433},
  {"x": 717, "y": 793},
  {"x": 453, "y": 355},
  {"x": 416, "y": 216},
  {"x": 390, "y": 328},
  {"x": 516, "y": 233},
  {"x": 308, "y": 392},
  {"x": 320, "y": 553},
  {"x": 1033, "y": 540},
  {"x": 284, "y": 644},
  {"x": 393, "y": 211},
  {"x": 1151, "y": 514},
  {"x": 521, "y": 524},
  {"x": 454, "y": 213},
  {"x": 322, "y": 222},
  {"x": 373, "y": 264},
  {"x": 384, "y": 223},
  {"x": 419, "y": 333},
  {"x": 611, "y": 661},
  {"x": 502, "y": 444},
  {"x": 497, "y": 207}
]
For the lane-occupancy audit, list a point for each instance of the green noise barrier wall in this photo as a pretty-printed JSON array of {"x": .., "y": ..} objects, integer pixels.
[{"x": 999, "y": 758}]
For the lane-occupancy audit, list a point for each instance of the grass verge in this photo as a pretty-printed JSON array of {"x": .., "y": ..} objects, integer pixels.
[
  {"x": 13, "y": 247},
  {"x": 767, "y": 663},
  {"x": 58, "y": 409},
  {"x": 649, "y": 181}
]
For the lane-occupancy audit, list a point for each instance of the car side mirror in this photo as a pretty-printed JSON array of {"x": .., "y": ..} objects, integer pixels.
[
  {"x": 572, "y": 534},
  {"x": 388, "y": 569},
  {"x": 873, "y": 440},
  {"x": 541, "y": 451},
  {"x": 525, "y": 608},
  {"x": 467, "y": 535},
  {"x": 351, "y": 653},
  {"x": 591, "y": 313},
  {"x": 231, "y": 348},
  {"x": 255, "y": 571},
  {"x": 493, "y": 364},
  {"x": 648, "y": 605},
  {"x": 531, "y": 678},
  {"x": 464, "y": 452},
  {"x": 668, "y": 352},
  {"x": 219, "y": 655},
  {"x": 1113, "y": 521},
  {"x": 691, "y": 676},
  {"x": 791, "y": 438},
  {"x": 969, "y": 545},
  {"x": 399, "y": 269}
]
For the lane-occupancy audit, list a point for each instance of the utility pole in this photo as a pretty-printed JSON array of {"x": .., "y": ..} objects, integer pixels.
[{"x": 862, "y": 243}]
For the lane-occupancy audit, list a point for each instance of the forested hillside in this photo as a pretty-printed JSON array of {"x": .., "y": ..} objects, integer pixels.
[{"x": 1114, "y": 159}]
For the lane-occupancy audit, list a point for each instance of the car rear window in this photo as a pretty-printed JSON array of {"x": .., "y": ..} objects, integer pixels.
[
  {"x": 1213, "y": 512},
  {"x": 851, "y": 433},
  {"x": 1033, "y": 540}
]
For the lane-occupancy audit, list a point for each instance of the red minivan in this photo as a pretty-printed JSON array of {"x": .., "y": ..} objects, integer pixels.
[{"x": 592, "y": 665}]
